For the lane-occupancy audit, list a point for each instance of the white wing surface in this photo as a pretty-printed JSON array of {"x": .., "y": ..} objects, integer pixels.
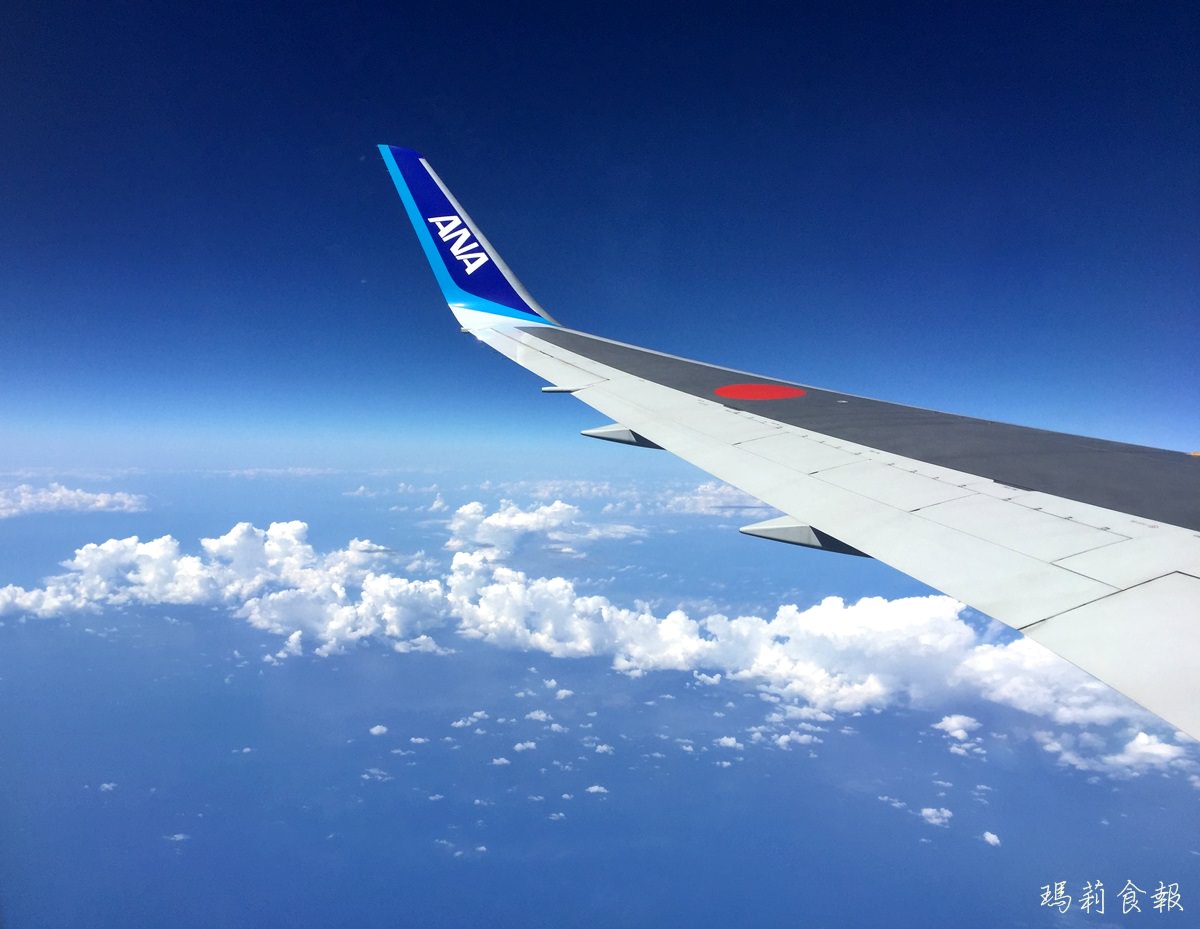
[{"x": 1088, "y": 546}]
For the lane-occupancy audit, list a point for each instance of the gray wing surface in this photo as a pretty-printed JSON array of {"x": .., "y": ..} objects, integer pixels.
[{"x": 1088, "y": 546}]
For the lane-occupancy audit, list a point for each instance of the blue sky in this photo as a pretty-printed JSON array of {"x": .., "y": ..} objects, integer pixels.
[
  {"x": 214, "y": 312},
  {"x": 989, "y": 211}
]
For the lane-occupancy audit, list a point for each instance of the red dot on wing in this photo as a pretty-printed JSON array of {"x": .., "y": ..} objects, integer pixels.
[{"x": 758, "y": 391}]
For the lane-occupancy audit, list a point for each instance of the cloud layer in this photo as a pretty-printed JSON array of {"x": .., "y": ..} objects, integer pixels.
[
  {"x": 833, "y": 657},
  {"x": 25, "y": 498}
]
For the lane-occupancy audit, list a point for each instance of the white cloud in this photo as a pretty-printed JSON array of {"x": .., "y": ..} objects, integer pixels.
[
  {"x": 25, "y": 498},
  {"x": 728, "y": 741},
  {"x": 497, "y": 762},
  {"x": 563, "y": 693},
  {"x": 1024, "y": 675},
  {"x": 597, "y": 789},
  {"x": 418, "y": 740},
  {"x": 293, "y": 645},
  {"x": 816, "y": 661},
  {"x": 1144, "y": 752},
  {"x": 604, "y": 749},
  {"x": 471, "y": 524},
  {"x": 957, "y": 729},
  {"x": 789, "y": 739},
  {"x": 108, "y": 787},
  {"x": 540, "y": 716},
  {"x": 712, "y": 498},
  {"x": 177, "y": 837},
  {"x": 1139, "y": 755},
  {"x": 991, "y": 838},
  {"x": 957, "y": 726},
  {"x": 524, "y": 746},
  {"x": 936, "y": 817}
]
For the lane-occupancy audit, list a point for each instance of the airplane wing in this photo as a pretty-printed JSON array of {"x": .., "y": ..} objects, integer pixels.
[{"x": 1088, "y": 546}]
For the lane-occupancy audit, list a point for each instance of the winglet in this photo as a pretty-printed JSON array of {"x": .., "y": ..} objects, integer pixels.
[{"x": 473, "y": 277}]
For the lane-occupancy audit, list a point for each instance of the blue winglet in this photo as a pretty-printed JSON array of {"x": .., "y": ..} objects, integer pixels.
[{"x": 472, "y": 276}]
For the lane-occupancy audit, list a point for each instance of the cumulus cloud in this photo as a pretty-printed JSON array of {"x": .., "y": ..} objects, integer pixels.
[
  {"x": 25, "y": 498},
  {"x": 1141, "y": 754},
  {"x": 1145, "y": 752},
  {"x": 815, "y": 661},
  {"x": 936, "y": 817},
  {"x": 378, "y": 730},
  {"x": 597, "y": 789},
  {"x": 560, "y": 522},
  {"x": 709, "y": 499},
  {"x": 272, "y": 578},
  {"x": 1024, "y": 675},
  {"x": 991, "y": 838},
  {"x": 957, "y": 726},
  {"x": 788, "y": 739},
  {"x": 497, "y": 762},
  {"x": 524, "y": 746},
  {"x": 957, "y": 729}
]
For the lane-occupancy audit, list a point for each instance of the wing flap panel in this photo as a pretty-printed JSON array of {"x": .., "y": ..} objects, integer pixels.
[
  {"x": 905, "y": 490},
  {"x": 1136, "y": 641},
  {"x": 1136, "y": 561},
  {"x": 1033, "y": 532},
  {"x": 801, "y": 452}
]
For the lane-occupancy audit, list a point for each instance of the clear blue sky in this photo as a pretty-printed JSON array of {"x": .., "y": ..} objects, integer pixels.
[
  {"x": 987, "y": 208},
  {"x": 214, "y": 312}
]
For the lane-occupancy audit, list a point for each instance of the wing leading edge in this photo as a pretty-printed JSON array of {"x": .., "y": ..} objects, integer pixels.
[{"x": 1090, "y": 547}]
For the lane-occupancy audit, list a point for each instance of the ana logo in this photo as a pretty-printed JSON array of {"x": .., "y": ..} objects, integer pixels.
[{"x": 454, "y": 231}]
